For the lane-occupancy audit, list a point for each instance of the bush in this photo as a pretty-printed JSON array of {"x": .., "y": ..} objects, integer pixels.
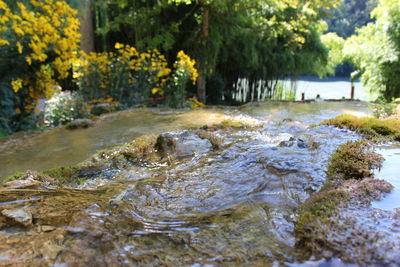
[
  {"x": 39, "y": 41},
  {"x": 126, "y": 76},
  {"x": 64, "y": 107},
  {"x": 129, "y": 77},
  {"x": 184, "y": 70},
  {"x": 38, "y": 44}
]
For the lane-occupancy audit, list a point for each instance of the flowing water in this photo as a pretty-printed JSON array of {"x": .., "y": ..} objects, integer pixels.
[{"x": 231, "y": 206}]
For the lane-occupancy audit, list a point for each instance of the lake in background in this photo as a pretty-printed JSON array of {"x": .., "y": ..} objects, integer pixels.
[{"x": 328, "y": 88}]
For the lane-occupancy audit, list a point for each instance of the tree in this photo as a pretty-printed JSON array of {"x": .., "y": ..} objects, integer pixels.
[{"x": 375, "y": 50}]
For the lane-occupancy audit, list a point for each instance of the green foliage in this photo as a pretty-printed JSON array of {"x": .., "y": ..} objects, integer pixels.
[
  {"x": 7, "y": 112},
  {"x": 383, "y": 109},
  {"x": 351, "y": 14},
  {"x": 335, "y": 44},
  {"x": 375, "y": 50},
  {"x": 3, "y": 133},
  {"x": 282, "y": 93},
  {"x": 64, "y": 107}
]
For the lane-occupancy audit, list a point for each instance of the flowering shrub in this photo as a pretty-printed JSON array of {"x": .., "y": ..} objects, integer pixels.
[
  {"x": 129, "y": 76},
  {"x": 126, "y": 75},
  {"x": 64, "y": 107},
  {"x": 184, "y": 71},
  {"x": 38, "y": 43}
]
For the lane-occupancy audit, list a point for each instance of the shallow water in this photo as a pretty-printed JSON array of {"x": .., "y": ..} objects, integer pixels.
[
  {"x": 390, "y": 172},
  {"x": 232, "y": 206},
  {"x": 61, "y": 147}
]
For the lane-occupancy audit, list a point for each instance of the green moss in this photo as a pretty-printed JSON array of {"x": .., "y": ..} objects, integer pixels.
[
  {"x": 64, "y": 175},
  {"x": 353, "y": 160},
  {"x": 13, "y": 177},
  {"x": 316, "y": 216},
  {"x": 235, "y": 124},
  {"x": 370, "y": 128}
]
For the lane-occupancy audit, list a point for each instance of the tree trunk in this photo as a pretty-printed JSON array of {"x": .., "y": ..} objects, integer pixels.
[
  {"x": 86, "y": 29},
  {"x": 201, "y": 62}
]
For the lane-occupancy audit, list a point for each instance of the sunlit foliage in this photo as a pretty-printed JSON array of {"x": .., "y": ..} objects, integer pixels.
[{"x": 375, "y": 50}]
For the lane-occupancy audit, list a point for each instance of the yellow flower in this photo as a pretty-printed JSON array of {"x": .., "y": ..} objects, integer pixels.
[
  {"x": 118, "y": 45},
  {"x": 19, "y": 47},
  {"x": 28, "y": 60},
  {"x": 16, "y": 85},
  {"x": 155, "y": 90},
  {"x": 4, "y": 42}
]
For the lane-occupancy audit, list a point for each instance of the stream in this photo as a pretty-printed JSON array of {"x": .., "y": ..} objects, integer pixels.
[{"x": 231, "y": 206}]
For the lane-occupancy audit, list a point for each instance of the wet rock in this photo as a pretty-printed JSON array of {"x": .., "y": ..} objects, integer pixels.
[
  {"x": 20, "y": 215},
  {"x": 47, "y": 228},
  {"x": 302, "y": 144},
  {"x": 50, "y": 250},
  {"x": 182, "y": 144},
  {"x": 286, "y": 144},
  {"x": 20, "y": 184}
]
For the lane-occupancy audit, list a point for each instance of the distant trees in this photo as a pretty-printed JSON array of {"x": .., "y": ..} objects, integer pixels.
[{"x": 351, "y": 14}]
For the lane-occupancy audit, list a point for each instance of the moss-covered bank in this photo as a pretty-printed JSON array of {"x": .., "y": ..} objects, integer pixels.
[
  {"x": 323, "y": 226},
  {"x": 369, "y": 128}
]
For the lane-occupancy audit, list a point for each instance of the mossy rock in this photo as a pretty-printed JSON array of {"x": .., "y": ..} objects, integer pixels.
[
  {"x": 314, "y": 220},
  {"x": 353, "y": 160},
  {"x": 384, "y": 130},
  {"x": 143, "y": 148}
]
